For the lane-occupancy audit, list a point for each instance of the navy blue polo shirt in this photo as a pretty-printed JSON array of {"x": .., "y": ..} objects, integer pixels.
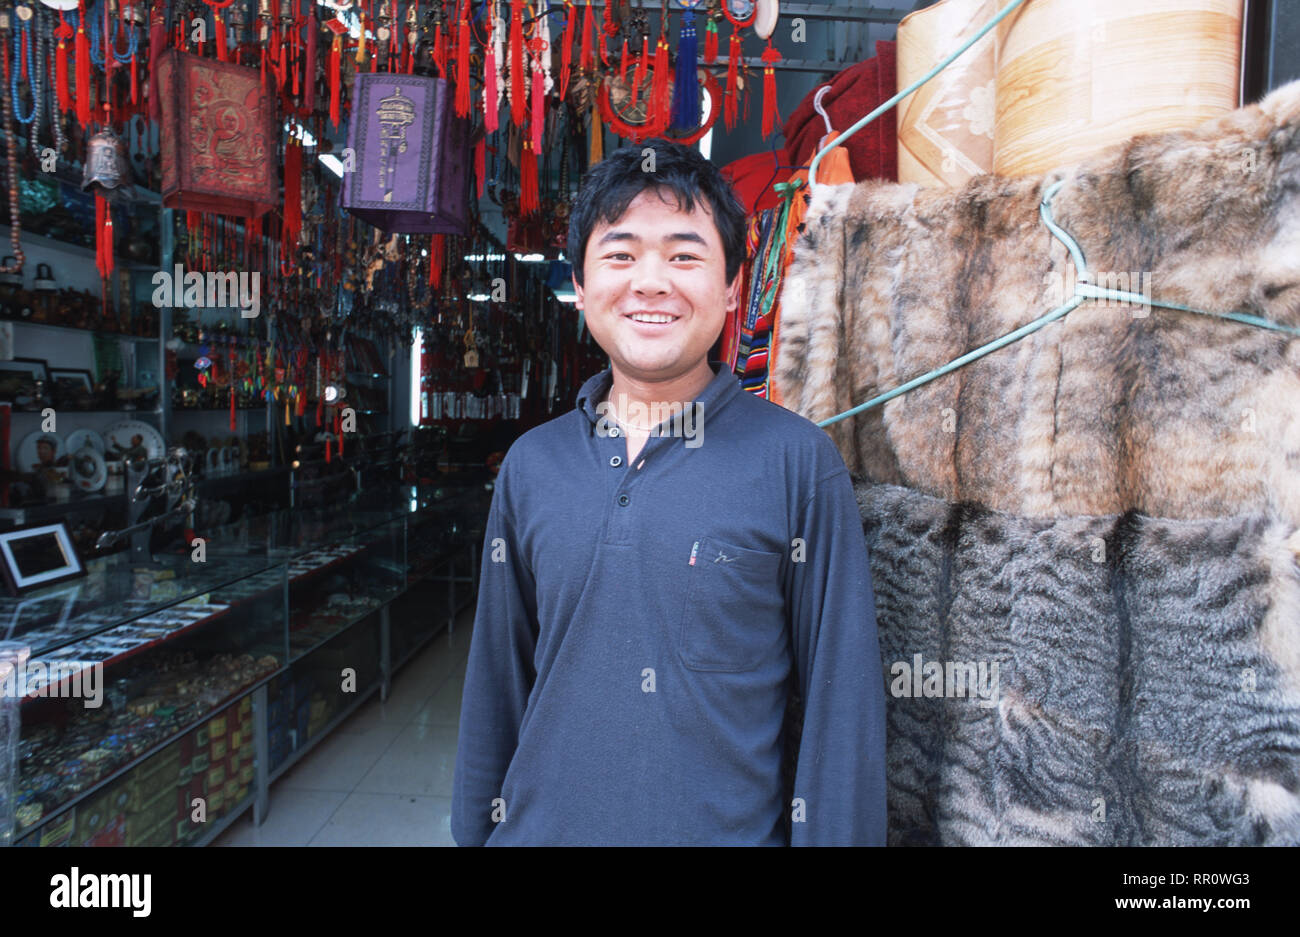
[{"x": 636, "y": 626}]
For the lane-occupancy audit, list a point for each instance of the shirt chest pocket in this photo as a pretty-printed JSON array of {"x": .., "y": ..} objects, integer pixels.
[{"x": 735, "y": 610}]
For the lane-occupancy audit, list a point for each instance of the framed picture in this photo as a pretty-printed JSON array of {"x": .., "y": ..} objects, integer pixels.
[
  {"x": 73, "y": 379},
  {"x": 38, "y": 556},
  {"x": 19, "y": 373}
]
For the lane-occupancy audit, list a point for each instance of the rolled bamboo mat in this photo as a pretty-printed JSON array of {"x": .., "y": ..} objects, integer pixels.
[
  {"x": 1073, "y": 78},
  {"x": 945, "y": 127}
]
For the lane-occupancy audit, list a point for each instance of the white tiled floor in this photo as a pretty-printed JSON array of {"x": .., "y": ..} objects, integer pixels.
[{"x": 383, "y": 777}]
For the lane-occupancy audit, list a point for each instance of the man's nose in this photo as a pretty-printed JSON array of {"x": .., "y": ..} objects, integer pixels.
[{"x": 650, "y": 277}]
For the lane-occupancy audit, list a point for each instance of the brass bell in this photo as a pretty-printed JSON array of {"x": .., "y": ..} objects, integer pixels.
[
  {"x": 134, "y": 13},
  {"x": 107, "y": 167}
]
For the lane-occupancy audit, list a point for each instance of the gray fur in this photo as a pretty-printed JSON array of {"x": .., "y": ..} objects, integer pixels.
[{"x": 1122, "y": 682}]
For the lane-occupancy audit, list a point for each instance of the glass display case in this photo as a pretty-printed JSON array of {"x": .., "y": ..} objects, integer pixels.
[
  {"x": 197, "y": 683},
  {"x": 128, "y": 658}
]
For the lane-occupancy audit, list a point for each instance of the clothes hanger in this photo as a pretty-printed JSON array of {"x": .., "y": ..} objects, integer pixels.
[{"x": 826, "y": 118}]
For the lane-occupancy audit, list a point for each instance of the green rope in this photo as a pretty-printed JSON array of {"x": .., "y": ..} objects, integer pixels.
[{"x": 1084, "y": 289}]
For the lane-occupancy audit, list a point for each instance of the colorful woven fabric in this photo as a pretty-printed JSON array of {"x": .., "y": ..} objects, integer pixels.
[{"x": 834, "y": 169}]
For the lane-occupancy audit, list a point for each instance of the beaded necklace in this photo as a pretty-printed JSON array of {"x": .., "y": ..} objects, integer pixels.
[
  {"x": 11, "y": 148},
  {"x": 47, "y": 54},
  {"x": 23, "y": 64}
]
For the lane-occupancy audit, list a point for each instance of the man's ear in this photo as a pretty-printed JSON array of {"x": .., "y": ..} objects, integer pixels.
[
  {"x": 733, "y": 290},
  {"x": 577, "y": 290}
]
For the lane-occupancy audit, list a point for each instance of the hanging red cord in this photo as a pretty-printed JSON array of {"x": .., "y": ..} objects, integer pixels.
[
  {"x": 584, "y": 58},
  {"x": 491, "y": 110},
  {"x": 83, "y": 67},
  {"x": 733, "y": 78},
  {"x": 62, "y": 93},
  {"x": 462, "y": 62},
  {"x": 566, "y": 58},
  {"x": 528, "y": 201},
  {"x": 517, "y": 103},
  {"x": 770, "y": 114}
]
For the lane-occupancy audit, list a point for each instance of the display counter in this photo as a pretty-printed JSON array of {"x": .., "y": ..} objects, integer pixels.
[{"x": 184, "y": 686}]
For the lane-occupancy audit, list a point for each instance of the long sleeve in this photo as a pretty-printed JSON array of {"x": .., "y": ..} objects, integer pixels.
[
  {"x": 839, "y": 785},
  {"x": 499, "y": 675}
]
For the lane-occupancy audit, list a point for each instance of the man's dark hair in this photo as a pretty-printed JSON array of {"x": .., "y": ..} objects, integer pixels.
[{"x": 611, "y": 185}]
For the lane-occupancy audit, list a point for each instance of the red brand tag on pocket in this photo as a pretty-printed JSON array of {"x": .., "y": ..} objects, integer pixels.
[{"x": 694, "y": 549}]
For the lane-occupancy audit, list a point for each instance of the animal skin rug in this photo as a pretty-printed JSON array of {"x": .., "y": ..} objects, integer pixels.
[
  {"x": 1148, "y": 681},
  {"x": 1113, "y": 408}
]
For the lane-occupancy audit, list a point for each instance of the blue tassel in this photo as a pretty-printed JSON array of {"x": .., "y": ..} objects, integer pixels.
[{"x": 686, "y": 84}]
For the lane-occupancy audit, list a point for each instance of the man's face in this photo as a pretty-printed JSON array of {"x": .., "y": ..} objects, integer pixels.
[{"x": 656, "y": 259}]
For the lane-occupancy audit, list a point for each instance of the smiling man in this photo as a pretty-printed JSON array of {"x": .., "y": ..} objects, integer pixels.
[{"x": 654, "y": 590}]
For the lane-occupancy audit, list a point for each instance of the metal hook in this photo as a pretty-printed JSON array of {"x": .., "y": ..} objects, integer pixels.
[{"x": 817, "y": 106}]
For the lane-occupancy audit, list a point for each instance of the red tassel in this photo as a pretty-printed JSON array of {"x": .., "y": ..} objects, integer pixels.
[
  {"x": 462, "y": 63},
  {"x": 638, "y": 73},
  {"x": 332, "y": 70},
  {"x": 770, "y": 114},
  {"x": 222, "y": 54},
  {"x": 733, "y": 79},
  {"x": 622, "y": 63},
  {"x": 436, "y": 251},
  {"x": 309, "y": 66},
  {"x": 711, "y": 43},
  {"x": 491, "y": 112},
  {"x": 584, "y": 60},
  {"x": 539, "y": 104},
  {"x": 22, "y": 57},
  {"x": 62, "y": 93},
  {"x": 292, "y": 225},
  {"x": 517, "y": 103},
  {"x": 527, "y": 179},
  {"x": 659, "y": 100},
  {"x": 83, "y": 69},
  {"x": 439, "y": 53},
  {"x": 566, "y": 57},
  {"x": 103, "y": 237}
]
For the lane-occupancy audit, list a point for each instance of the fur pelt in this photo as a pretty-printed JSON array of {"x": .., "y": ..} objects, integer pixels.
[
  {"x": 1148, "y": 689},
  {"x": 1111, "y": 409}
]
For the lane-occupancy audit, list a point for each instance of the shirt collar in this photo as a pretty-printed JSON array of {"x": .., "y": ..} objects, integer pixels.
[{"x": 714, "y": 397}]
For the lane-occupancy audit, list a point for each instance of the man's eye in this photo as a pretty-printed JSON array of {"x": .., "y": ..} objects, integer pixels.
[
  {"x": 621, "y": 255},
  {"x": 685, "y": 257}
]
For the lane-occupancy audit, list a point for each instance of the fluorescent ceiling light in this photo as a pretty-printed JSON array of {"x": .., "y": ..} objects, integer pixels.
[
  {"x": 706, "y": 141},
  {"x": 331, "y": 162}
]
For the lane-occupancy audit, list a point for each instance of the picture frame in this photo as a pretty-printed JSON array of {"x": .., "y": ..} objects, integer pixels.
[
  {"x": 78, "y": 376},
  {"x": 17, "y": 372},
  {"x": 35, "y": 556}
]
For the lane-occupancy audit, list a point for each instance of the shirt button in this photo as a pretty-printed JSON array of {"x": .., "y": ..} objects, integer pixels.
[
  {"x": 616, "y": 461},
  {"x": 623, "y": 500},
  {"x": 613, "y": 431}
]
